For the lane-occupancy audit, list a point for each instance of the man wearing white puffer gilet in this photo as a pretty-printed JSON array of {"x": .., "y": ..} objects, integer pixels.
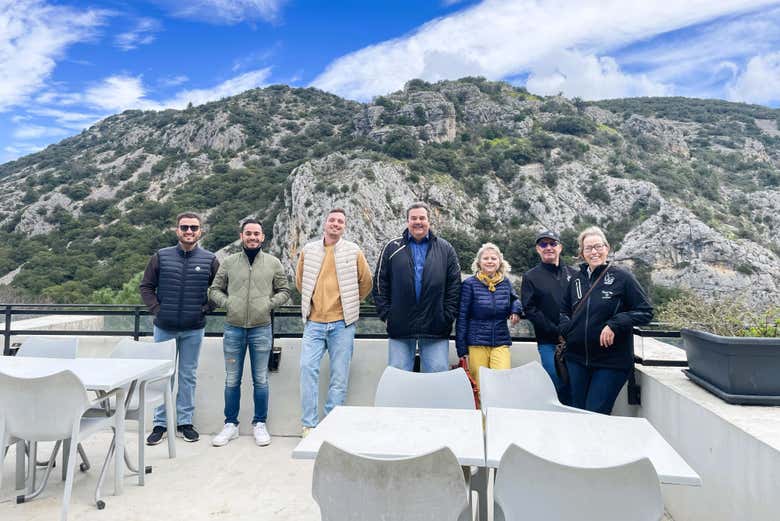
[{"x": 333, "y": 276}]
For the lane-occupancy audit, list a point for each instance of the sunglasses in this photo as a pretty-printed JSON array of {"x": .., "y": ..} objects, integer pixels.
[
  {"x": 186, "y": 227},
  {"x": 547, "y": 244}
]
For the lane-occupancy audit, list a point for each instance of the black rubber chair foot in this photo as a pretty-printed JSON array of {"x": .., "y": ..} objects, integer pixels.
[
  {"x": 101, "y": 504},
  {"x": 83, "y": 467},
  {"x": 148, "y": 469},
  {"x": 19, "y": 500}
]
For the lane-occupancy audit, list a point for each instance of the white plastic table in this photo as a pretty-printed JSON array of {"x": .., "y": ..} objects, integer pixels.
[
  {"x": 391, "y": 432},
  {"x": 586, "y": 440},
  {"x": 97, "y": 374}
]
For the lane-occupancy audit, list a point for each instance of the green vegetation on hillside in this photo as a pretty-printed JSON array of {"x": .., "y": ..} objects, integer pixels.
[{"x": 129, "y": 175}]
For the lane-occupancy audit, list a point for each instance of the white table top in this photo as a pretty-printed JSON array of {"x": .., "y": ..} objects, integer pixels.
[
  {"x": 587, "y": 440},
  {"x": 390, "y": 432},
  {"x": 98, "y": 374}
]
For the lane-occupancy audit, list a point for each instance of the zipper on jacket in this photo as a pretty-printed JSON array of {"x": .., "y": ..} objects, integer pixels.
[
  {"x": 248, "y": 290},
  {"x": 181, "y": 289},
  {"x": 493, "y": 329},
  {"x": 587, "y": 320}
]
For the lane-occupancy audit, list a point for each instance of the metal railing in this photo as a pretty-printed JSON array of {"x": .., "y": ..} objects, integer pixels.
[{"x": 140, "y": 325}]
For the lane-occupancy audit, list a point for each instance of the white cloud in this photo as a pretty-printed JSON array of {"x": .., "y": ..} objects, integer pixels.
[
  {"x": 122, "y": 92},
  {"x": 68, "y": 119},
  {"x": 37, "y": 132},
  {"x": 231, "y": 87},
  {"x": 227, "y": 11},
  {"x": 173, "y": 81},
  {"x": 759, "y": 82},
  {"x": 589, "y": 77},
  {"x": 20, "y": 149},
  {"x": 142, "y": 34},
  {"x": 33, "y": 37},
  {"x": 502, "y": 38},
  {"x": 116, "y": 93}
]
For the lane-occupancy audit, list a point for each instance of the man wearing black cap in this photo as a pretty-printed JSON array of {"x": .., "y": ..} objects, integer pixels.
[{"x": 541, "y": 292}]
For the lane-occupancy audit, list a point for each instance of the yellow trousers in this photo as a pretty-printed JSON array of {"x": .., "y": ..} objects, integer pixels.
[{"x": 490, "y": 357}]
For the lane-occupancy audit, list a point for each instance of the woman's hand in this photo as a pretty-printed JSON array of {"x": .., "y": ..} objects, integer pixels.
[
  {"x": 514, "y": 318},
  {"x": 607, "y": 337},
  {"x": 465, "y": 362}
]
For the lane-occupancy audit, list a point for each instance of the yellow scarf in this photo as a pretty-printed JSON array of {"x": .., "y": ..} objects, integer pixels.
[{"x": 490, "y": 282}]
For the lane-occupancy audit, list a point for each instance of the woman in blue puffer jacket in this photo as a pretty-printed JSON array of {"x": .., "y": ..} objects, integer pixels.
[{"x": 487, "y": 300}]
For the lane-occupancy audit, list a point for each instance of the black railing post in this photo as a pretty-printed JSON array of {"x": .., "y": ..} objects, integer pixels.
[
  {"x": 7, "y": 332},
  {"x": 276, "y": 352},
  {"x": 136, "y": 322}
]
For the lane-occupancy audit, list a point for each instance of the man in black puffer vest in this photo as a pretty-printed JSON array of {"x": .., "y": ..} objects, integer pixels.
[{"x": 175, "y": 289}]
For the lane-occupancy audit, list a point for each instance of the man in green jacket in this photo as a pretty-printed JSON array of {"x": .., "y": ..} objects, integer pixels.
[{"x": 248, "y": 285}]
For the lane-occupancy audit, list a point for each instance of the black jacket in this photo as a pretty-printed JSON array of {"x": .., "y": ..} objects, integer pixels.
[
  {"x": 617, "y": 301},
  {"x": 541, "y": 292},
  {"x": 394, "y": 294},
  {"x": 175, "y": 285},
  {"x": 483, "y": 315}
]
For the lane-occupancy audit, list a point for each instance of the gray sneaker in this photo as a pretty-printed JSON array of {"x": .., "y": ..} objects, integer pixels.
[
  {"x": 262, "y": 438},
  {"x": 229, "y": 432}
]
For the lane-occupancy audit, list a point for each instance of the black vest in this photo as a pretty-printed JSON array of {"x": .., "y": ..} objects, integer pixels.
[{"x": 182, "y": 288}]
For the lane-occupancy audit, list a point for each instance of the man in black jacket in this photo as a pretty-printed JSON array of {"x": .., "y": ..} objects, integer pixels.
[
  {"x": 541, "y": 293},
  {"x": 416, "y": 292},
  {"x": 174, "y": 288}
]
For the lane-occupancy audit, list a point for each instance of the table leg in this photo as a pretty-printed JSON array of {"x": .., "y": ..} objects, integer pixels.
[
  {"x": 65, "y": 453},
  {"x": 20, "y": 464},
  {"x": 141, "y": 432},
  {"x": 479, "y": 483},
  {"x": 119, "y": 451}
]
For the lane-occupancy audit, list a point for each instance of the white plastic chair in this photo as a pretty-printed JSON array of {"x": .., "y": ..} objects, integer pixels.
[
  {"x": 530, "y": 487},
  {"x": 525, "y": 387},
  {"x": 429, "y": 487},
  {"x": 49, "y": 347},
  {"x": 50, "y": 408},
  {"x": 153, "y": 392},
  {"x": 444, "y": 390}
]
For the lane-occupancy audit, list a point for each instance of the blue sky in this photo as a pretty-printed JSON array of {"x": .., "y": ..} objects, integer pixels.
[{"x": 66, "y": 64}]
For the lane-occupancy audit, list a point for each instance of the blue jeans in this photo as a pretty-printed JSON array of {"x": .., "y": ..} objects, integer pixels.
[
  {"x": 595, "y": 388},
  {"x": 188, "y": 352},
  {"x": 547, "y": 355},
  {"x": 433, "y": 353},
  {"x": 234, "y": 344},
  {"x": 338, "y": 340}
]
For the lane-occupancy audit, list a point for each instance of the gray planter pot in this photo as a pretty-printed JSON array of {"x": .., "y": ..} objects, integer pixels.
[{"x": 740, "y": 370}]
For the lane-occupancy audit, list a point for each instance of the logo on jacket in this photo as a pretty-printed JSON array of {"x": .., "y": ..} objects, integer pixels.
[
  {"x": 609, "y": 279},
  {"x": 568, "y": 277},
  {"x": 578, "y": 288},
  {"x": 197, "y": 268},
  {"x": 606, "y": 295}
]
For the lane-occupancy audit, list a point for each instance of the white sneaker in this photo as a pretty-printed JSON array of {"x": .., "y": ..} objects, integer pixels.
[
  {"x": 228, "y": 432},
  {"x": 262, "y": 438}
]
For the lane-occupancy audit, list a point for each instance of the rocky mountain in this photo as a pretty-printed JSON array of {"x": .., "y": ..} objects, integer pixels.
[{"x": 686, "y": 189}]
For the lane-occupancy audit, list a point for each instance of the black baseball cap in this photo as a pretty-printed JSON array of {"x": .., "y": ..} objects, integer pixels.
[{"x": 547, "y": 234}]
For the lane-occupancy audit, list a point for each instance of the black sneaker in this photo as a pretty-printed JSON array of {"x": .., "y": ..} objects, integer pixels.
[
  {"x": 187, "y": 432},
  {"x": 157, "y": 435}
]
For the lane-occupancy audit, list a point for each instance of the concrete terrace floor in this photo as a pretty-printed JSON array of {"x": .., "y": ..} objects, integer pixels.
[{"x": 238, "y": 482}]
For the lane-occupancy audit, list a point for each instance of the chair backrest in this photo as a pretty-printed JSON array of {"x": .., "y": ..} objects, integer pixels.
[
  {"x": 43, "y": 408},
  {"x": 129, "y": 348},
  {"x": 525, "y": 387},
  {"x": 530, "y": 487},
  {"x": 445, "y": 390},
  {"x": 165, "y": 350},
  {"x": 348, "y": 487},
  {"x": 49, "y": 347}
]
